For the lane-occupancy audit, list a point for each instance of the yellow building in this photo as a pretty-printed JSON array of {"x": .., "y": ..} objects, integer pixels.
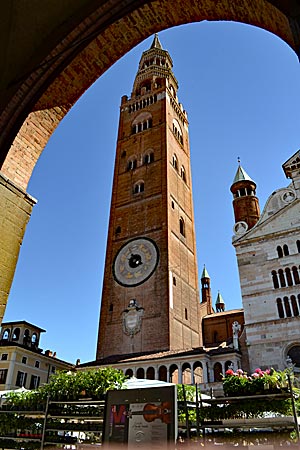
[{"x": 22, "y": 362}]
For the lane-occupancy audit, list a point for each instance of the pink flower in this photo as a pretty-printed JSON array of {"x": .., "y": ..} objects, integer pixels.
[
  {"x": 229, "y": 372},
  {"x": 255, "y": 375},
  {"x": 240, "y": 372},
  {"x": 258, "y": 370}
]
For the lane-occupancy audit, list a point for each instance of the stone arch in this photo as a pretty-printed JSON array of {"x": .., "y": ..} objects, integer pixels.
[
  {"x": 198, "y": 372},
  {"x": 162, "y": 373},
  {"x": 186, "y": 373},
  {"x": 174, "y": 373},
  {"x": 16, "y": 334},
  {"x": 294, "y": 353},
  {"x": 140, "y": 373},
  {"x": 129, "y": 373},
  {"x": 217, "y": 371},
  {"x": 150, "y": 373},
  {"x": 79, "y": 45}
]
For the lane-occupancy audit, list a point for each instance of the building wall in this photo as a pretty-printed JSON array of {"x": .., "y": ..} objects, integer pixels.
[
  {"x": 15, "y": 210},
  {"x": 217, "y": 328},
  {"x": 268, "y": 335},
  {"x": 15, "y": 363}
]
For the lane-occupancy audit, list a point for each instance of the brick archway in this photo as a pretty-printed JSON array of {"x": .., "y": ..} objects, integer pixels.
[
  {"x": 88, "y": 51},
  {"x": 64, "y": 70}
]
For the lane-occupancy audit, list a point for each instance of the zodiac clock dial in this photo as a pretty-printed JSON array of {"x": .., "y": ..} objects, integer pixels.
[{"x": 135, "y": 262}]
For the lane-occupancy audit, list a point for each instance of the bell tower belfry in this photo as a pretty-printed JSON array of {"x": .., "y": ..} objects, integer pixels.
[{"x": 150, "y": 298}]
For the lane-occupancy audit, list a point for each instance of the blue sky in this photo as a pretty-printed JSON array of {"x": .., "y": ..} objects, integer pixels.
[{"x": 241, "y": 88}]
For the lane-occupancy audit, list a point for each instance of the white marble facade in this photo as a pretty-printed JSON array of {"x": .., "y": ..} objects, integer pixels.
[{"x": 268, "y": 257}]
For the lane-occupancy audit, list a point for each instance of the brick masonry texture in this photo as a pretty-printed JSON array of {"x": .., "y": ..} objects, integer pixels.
[{"x": 15, "y": 211}]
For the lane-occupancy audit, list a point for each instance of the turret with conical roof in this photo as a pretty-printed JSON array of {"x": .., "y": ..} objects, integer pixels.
[
  {"x": 206, "y": 291},
  {"x": 245, "y": 203},
  {"x": 220, "y": 304}
]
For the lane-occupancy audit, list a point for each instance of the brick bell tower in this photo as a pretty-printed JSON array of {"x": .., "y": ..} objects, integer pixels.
[
  {"x": 245, "y": 202},
  {"x": 150, "y": 297}
]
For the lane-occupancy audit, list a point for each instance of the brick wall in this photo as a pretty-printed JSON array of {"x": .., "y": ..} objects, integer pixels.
[{"x": 15, "y": 211}]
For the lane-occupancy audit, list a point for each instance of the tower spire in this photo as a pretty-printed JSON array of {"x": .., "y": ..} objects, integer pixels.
[
  {"x": 156, "y": 42},
  {"x": 155, "y": 71}
]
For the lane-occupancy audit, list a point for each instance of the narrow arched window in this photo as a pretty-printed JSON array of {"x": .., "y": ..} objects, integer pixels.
[
  {"x": 5, "y": 335},
  {"x": 118, "y": 230},
  {"x": 182, "y": 174},
  {"x": 131, "y": 165},
  {"x": 280, "y": 308},
  {"x": 26, "y": 337},
  {"x": 16, "y": 334},
  {"x": 139, "y": 187},
  {"x": 294, "y": 306},
  {"x": 288, "y": 276},
  {"x": 149, "y": 158},
  {"x": 185, "y": 314},
  {"x": 275, "y": 279},
  {"x": 175, "y": 162},
  {"x": 286, "y": 250},
  {"x": 298, "y": 298},
  {"x": 295, "y": 275},
  {"x": 111, "y": 308},
  {"x": 281, "y": 278},
  {"x": 298, "y": 246},
  {"x": 174, "y": 281},
  {"x": 279, "y": 252},
  {"x": 181, "y": 226},
  {"x": 287, "y": 307}
]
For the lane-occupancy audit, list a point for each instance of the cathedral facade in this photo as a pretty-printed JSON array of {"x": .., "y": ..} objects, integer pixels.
[{"x": 268, "y": 255}]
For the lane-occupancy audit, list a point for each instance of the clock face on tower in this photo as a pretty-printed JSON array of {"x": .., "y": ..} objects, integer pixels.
[{"x": 135, "y": 262}]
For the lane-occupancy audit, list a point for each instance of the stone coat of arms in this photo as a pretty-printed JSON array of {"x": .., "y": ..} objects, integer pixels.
[{"x": 132, "y": 318}]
